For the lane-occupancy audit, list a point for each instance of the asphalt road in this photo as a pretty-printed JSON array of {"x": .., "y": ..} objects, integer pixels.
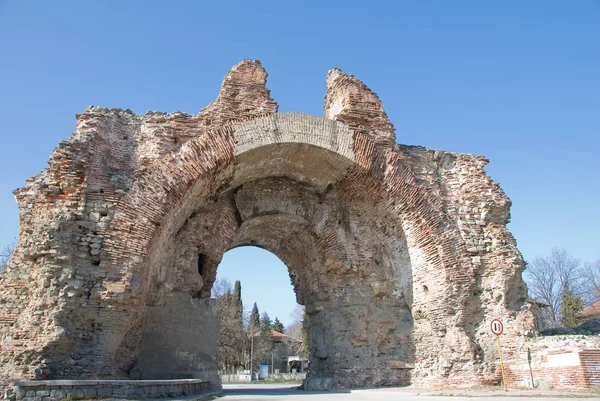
[{"x": 279, "y": 392}]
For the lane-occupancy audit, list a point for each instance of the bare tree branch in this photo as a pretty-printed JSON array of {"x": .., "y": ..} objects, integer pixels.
[
  {"x": 221, "y": 287},
  {"x": 5, "y": 254},
  {"x": 592, "y": 277},
  {"x": 548, "y": 277},
  {"x": 232, "y": 335}
]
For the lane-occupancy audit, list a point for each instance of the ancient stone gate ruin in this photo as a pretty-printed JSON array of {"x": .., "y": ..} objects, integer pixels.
[{"x": 400, "y": 253}]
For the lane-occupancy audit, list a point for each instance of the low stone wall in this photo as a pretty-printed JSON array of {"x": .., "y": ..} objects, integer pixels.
[
  {"x": 288, "y": 376},
  {"x": 233, "y": 377},
  {"x": 51, "y": 390},
  {"x": 557, "y": 362}
]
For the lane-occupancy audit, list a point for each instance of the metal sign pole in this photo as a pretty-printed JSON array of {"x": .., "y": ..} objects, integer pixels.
[
  {"x": 497, "y": 328},
  {"x": 501, "y": 363},
  {"x": 251, "y": 351}
]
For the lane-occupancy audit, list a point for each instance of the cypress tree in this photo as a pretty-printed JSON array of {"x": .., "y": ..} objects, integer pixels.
[
  {"x": 570, "y": 306},
  {"x": 237, "y": 291},
  {"x": 237, "y": 300},
  {"x": 278, "y": 326},
  {"x": 265, "y": 322},
  {"x": 254, "y": 323}
]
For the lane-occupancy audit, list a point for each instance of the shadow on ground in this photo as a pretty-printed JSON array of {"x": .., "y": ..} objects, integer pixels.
[{"x": 251, "y": 390}]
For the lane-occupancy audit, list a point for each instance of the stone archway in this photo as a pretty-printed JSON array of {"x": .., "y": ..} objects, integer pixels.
[
  {"x": 297, "y": 192},
  {"x": 399, "y": 253}
]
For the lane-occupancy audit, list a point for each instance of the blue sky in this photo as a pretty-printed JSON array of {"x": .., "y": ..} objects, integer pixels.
[{"x": 516, "y": 81}]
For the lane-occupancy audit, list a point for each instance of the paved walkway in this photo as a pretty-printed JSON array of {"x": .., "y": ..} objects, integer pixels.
[{"x": 279, "y": 392}]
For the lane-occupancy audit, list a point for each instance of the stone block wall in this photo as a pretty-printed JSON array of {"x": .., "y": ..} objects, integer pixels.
[{"x": 52, "y": 390}]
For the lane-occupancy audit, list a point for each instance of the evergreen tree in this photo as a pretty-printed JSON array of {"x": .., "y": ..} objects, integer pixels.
[
  {"x": 265, "y": 322},
  {"x": 254, "y": 323},
  {"x": 278, "y": 326},
  {"x": 570, "y": 307},
  {"x": 237, "y": 292},
  {"x": 237, "y": 300}
]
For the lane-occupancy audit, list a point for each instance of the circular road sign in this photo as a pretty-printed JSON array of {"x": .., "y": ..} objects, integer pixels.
[{"x": 496, "y": 326}]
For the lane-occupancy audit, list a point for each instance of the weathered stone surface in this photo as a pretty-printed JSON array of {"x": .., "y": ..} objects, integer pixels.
[
  {"x": 179, "y": 339},
  {"x": 400, "y": 253},
  {"x": 349, "y": 100}
]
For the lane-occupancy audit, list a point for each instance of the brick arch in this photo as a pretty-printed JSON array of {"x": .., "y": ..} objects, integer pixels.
[
  {"x": 166, "y": 195},
  {"x": 321, "y": 155},
  {"x": 173, "y": 182}
]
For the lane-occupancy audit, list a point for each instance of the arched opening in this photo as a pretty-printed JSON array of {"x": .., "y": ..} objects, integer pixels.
[
  {"x": 261, "y": 322},
  {"x": 290, "y": 184},
  {"x": 354, "y": 279}
]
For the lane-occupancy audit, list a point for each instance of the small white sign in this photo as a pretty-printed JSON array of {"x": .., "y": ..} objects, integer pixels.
[{"x": 562, "y": 360}]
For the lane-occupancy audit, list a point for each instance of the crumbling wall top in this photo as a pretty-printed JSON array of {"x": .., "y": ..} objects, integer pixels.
[
  {"x": 349, "y": 100},
  {"x": 243, "y": 95}
]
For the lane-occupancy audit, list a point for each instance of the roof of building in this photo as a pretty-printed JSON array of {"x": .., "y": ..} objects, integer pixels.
[
  {"x": 277, "y": 336},
  {"x": 592, "y": 310}
]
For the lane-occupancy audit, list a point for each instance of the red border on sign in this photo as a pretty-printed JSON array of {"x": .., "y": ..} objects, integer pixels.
[{"x": 492, "y": 326}]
